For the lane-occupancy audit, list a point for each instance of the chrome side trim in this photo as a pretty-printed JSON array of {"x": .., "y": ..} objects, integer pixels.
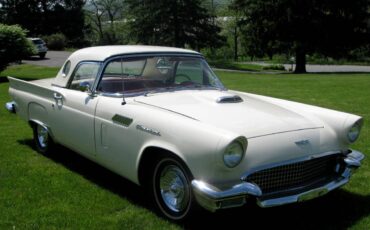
[
  {"x": 10, "y": 106},
  {"x": 212, "y": 198},
  {"x": 148, "y": 130}
]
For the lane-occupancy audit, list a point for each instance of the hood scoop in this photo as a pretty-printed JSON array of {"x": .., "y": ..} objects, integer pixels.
[{"x": 229, "y": 99}]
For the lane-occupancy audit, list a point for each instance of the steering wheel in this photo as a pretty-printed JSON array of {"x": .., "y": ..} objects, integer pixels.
[{"x": 181, "y": 75}]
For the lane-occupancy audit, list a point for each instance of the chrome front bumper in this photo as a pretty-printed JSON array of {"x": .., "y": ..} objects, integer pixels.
[{"x": 212, "y": 198}]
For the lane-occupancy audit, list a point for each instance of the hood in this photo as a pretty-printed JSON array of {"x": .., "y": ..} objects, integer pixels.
[{"x": 250, "y": 116}]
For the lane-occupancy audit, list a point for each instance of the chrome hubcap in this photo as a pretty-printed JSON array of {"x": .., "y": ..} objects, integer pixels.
[
  {"x": 42, "y": 136},
  {"x": 174, "y": 188}
]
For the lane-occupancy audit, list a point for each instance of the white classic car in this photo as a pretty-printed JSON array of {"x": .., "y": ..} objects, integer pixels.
[{"x": 161, "y": 118}]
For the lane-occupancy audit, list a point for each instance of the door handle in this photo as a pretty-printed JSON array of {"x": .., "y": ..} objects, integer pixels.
[{"x": 57, "y": 96}]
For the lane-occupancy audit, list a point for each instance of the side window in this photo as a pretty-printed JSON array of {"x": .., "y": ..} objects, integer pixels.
[
  {"x": 66, "y": 68},
  {"x": 123, "y": 75},
  {"x": 84, "y": 76}
]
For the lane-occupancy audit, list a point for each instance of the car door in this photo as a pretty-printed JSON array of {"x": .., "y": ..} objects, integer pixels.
[
  {"x": 74, "y": 110},
  {"x": 116, "y": 136}
]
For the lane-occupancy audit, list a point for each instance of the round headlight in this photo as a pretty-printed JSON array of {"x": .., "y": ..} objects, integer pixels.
[
  {"x": 233, "y": 154},
  {"x": 354, "y": 132}
]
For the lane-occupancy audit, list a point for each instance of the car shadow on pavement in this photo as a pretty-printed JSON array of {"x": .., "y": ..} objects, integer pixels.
[{"x": 339, "y": 209}]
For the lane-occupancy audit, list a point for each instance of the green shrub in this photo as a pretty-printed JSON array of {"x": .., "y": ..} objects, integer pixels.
[
  {"x": 14, "y": 46},
  {"x": 55, "y": 41}
]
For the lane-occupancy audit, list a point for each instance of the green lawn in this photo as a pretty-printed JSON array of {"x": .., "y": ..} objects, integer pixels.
[
  {"x": 68, "y": 191},
  {"x": 246, "y": 66}
]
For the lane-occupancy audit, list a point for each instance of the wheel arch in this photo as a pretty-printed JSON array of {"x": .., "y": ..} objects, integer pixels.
[
  {"x": 33, "y": 122},
  {"x": 37, "y": 113},
  {"x": 150, "y": 155}
]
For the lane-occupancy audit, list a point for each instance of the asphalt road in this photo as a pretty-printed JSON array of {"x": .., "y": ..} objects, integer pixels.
[
  {"x": 57, "y": 59},
  {"x": 52, "y": 59},
  {"x": 325, "y": 68},
  {"x": 333, "y": 68}
]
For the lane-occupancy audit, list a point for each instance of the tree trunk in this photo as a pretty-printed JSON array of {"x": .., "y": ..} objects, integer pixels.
[
  {"x": 235, "y": 43},
  {"x": 300, "y": 59}
]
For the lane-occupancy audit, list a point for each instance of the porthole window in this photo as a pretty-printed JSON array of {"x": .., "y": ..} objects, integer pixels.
[{"x": 66, "y": 68}]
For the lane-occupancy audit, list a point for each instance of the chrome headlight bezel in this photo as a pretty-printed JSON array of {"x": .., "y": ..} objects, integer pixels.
[
  {"x": 354, "y": 131},
  {"x": 234, "y": 152}
]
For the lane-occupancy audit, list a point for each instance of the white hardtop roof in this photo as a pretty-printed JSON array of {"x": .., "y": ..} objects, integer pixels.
[{"x": 100, "y": 53}]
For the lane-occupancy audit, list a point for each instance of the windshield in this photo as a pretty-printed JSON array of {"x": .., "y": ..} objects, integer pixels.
[
  {"x": 37, "y": 42},
  {"x": 157, "y": 74}
]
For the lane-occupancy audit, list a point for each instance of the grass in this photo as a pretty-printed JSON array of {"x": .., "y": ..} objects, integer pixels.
[
  {"x": 28, "y": 72},
  {"x": 67, "y": 191},
  {"x": 245, "y": 66}
]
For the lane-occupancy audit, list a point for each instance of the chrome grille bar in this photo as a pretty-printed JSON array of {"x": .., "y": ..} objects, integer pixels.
[{"x": 295, "y": 175}]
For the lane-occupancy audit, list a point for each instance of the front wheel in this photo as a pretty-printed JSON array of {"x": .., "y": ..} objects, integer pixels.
[
  {"x": 42, "y": 139},
  {"x": 172, "y": 189}
]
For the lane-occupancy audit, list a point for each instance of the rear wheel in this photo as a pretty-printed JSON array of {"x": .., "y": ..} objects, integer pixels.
[
  {"x": 42, "y": 139},
  {"x": 42, "y": 55},
  {"x": 171, "y": 186}
]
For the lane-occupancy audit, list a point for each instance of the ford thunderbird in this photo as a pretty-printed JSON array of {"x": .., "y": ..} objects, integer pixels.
[{"x": 161, "y": 118}]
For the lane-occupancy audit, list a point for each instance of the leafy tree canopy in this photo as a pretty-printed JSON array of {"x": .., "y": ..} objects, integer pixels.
[
  {"x": 330, "y": 27},
  {"x": 173, "y": 23},
  {"x": 45, "y": 17}
]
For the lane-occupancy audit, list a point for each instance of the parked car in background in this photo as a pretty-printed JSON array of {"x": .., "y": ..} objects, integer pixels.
[
  {"x": 161, "y": 118},
  {"x": 40, "y": 46}
]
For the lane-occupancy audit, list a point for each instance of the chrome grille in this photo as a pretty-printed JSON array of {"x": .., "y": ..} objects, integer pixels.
[{"x": 295, "y": 175}]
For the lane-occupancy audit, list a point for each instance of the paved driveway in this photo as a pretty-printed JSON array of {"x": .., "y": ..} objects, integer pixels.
[
  {"x": 57, "y": 59},
  {"x": 325, "y": 68},
  {"x": 333, "y": 68},
  {"x": 52, "y": 59}
]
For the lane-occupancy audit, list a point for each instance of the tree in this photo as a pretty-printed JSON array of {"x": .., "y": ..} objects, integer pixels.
[
  {"x": 329, "y": 27},
  {"x": 45, "y": 17},
  {"x": 105, "y": 15},
  {"x": 14, "y": 45},
  {"x": 173, "y": 23}
]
